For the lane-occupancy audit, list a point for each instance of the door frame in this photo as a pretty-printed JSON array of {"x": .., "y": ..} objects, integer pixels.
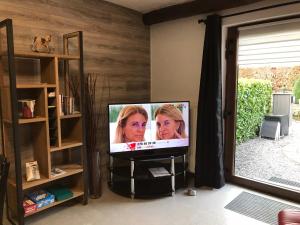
[{"x": 230, "y": 117}]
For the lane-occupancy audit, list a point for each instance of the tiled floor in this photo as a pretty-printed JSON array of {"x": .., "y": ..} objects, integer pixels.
[{"x": 207, "y": 208}]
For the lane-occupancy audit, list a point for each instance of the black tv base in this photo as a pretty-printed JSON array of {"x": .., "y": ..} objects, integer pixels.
[{"x": 132, "y": 177}]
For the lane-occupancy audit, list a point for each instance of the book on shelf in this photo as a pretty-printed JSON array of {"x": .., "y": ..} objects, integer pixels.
[
  {"x": 159, "y": 172},
  {"x": 66, "y": 104},
  {"x": 60, "y": 105}
]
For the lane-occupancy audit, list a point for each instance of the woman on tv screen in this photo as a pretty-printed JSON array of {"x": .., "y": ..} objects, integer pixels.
[
  {"x": 131, "y": 124},
  {"x": 169, "y": 123}
]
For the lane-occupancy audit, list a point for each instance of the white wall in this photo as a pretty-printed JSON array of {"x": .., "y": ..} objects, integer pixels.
[{"x": 176, "y": 56}]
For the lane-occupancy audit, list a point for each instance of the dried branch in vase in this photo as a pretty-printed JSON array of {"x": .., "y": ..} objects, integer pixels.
[
  {"x": 92, "y": 112},
  {"x": 74, "y": 86}
]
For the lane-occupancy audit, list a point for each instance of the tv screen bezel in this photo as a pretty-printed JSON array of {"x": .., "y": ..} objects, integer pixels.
[{"x": 155, "y": 151}]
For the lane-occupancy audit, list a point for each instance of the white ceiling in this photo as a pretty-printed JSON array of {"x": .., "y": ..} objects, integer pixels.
[{"x": 145, "y": 6}]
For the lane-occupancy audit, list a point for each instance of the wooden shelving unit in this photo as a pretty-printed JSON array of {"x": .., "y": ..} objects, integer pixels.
[{"x": 50, "y": 138}]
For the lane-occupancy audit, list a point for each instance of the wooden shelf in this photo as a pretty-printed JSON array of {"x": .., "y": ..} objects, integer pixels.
[
  {"x": 66, "y": 145},
  {"x": 36, "y": 119},
  {"x": 32, "y": 120},
  {"x": 36, "y": 55},
  {"x": 70, "y": 170},
  {"x": 75, "y": 115},
  {"x": 51, "y": 86},
  {"x": 76, "y": 194},
  {"x": 68, "y": 57},
  {"x": 30, "y": 184},
  {"x": 34, "y": 85}
]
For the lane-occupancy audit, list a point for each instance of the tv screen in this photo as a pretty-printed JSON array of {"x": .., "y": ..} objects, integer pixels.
[{"x": 148, "y": 126}]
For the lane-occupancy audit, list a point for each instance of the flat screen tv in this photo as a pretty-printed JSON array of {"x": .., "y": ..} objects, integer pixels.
[{"x": 148, "y": 127}]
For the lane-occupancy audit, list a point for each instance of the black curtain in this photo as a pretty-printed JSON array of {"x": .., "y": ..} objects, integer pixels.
[{"x": 209, "y": 147}]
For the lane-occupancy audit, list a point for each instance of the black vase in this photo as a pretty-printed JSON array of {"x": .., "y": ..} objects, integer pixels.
[{"x": 95, "y": 184}]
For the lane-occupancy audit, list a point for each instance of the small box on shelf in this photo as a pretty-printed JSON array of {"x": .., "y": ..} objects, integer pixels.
[
  {"x": 32, "y": 171},
  {"x": 41, "y": 198},
  {"x": 29, "y": 206},
  {"x": 26, "y": 108},
  {"x": 60, "y": 193},
  {"x": 31, "y": 102}
]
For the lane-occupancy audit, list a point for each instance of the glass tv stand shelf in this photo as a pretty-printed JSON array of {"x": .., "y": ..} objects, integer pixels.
[{"x": 147, "y": 176}]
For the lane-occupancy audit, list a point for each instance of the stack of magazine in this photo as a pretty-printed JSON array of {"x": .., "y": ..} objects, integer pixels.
[{"x": 159, "y": 172}]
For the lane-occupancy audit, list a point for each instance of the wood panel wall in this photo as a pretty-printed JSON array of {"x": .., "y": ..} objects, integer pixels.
[{"x": 115, "y": 43}]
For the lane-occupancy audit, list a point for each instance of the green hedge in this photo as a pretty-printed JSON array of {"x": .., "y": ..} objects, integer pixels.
[
  {"x": 296, "y": 89},
  {"x": 254, "y": 101}
]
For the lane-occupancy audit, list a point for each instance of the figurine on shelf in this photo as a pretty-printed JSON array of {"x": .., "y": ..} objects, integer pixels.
[{"x": 41, "y": 44}]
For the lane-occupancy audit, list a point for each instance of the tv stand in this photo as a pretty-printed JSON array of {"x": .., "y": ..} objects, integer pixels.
[{"x": 148, "y": 175}]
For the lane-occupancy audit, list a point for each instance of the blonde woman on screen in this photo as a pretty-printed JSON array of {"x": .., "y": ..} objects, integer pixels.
[
  {"x": 169, "y": 123},
  {"x": 131, "y": 124}
]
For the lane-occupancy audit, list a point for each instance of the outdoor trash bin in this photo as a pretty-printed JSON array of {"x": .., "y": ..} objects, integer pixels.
[{"x": 283, "y": 120}]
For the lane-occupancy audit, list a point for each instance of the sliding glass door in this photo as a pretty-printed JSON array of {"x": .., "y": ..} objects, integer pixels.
[{"x": 262, "y": 110}]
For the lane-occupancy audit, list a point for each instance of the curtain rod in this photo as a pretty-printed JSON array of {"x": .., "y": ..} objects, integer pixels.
[{"x": 255, "y": 10}]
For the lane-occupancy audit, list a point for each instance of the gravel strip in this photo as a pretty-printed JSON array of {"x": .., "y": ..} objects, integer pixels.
[{"x": 262, "y": 159}]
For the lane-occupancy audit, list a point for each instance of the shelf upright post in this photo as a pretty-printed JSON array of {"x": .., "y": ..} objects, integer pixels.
[
  {"x": 66, "y": 38},
  {"x": 173, "y": 175},
  {"x": 7, "y": 26},
  {"x": 132, "y": 177}
]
